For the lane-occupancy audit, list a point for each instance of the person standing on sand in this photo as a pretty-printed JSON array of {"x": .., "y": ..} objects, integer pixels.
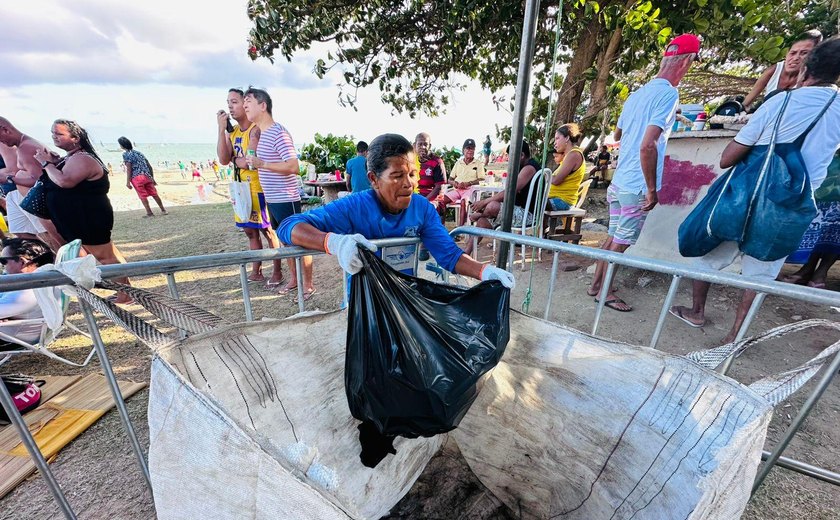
[
  {"x": 277, "y": 163},
  {"x": 183, "y": 168},
  {"x": 138, "y": 173},
  {"x": 233, "y": 143},
  {"x": 643, "y": 128}
]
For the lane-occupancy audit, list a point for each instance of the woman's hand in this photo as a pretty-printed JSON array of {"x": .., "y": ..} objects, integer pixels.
[
  {"x": 44, "y": 155},
  {"x": 128, "y": 185},
  {"x": 479, "y": 206}
]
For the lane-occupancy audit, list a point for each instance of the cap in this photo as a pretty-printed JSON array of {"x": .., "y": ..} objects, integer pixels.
[
  {"x": 469, "y": 143},
  {"x": 683, "y": 44}
]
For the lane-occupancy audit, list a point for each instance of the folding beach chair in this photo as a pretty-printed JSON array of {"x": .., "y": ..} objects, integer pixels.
[{"x": 54, "y": 304}]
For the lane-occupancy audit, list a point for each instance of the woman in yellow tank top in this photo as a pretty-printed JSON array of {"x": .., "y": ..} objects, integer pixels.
[{"x": 566, "y": 179}]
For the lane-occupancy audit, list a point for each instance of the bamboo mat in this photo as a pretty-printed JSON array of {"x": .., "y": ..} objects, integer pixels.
[{"x": 69, "y": 406}]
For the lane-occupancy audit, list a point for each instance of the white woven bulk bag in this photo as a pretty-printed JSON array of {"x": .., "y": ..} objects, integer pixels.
[
  {"x": 251, "y": 421},
  {"x": 576, "y": 427}
]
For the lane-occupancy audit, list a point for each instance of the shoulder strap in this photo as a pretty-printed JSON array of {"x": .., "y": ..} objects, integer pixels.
[{"x": 819, "y": 116}]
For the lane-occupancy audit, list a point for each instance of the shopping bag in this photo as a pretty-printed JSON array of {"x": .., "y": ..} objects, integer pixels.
[
  {"x": 240, "y": 194},
  {"x": 416, "y": 349},
  {"x": 572, "y": 426}
]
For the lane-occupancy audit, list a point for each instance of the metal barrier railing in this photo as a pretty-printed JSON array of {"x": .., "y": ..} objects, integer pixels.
[{"x": 170, "y": 266}]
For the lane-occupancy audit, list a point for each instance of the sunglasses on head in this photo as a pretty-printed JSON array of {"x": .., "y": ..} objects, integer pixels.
[{"x": 5, "y": 259}]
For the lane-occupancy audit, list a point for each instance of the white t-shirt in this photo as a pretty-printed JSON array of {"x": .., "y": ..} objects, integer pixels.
[
  {"x": 804, "y": 105},
  {"x": 655, "y": 104}
]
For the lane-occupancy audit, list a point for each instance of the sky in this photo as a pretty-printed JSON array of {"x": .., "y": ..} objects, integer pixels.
[{"x": 158, "y": 71}]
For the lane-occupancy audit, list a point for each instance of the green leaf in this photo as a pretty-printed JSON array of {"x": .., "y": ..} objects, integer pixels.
[
  {"x": 702, "y": 3},
  {"x": 701, "y": 24},
  {"x": 662, "y": 36},
  {"x": 645, "y": 7}
]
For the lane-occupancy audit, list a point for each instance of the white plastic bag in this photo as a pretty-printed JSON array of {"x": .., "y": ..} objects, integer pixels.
[{"x": 240, "y": 194}]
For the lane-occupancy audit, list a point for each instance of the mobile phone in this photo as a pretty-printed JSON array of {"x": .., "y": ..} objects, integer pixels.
[{"x": 229, "y": 127}]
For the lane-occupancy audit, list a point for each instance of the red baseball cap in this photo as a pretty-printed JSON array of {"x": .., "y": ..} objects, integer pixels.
[{"x": 683, "y": 44}]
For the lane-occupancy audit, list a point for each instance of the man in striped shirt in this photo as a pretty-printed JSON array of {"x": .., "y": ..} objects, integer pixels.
[{"x": 277, "y": 164}]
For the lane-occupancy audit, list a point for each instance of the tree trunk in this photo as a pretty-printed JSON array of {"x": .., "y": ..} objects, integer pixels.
[
  {"x": 598, "y": 101},
  {"x": 586, "y": 49}
]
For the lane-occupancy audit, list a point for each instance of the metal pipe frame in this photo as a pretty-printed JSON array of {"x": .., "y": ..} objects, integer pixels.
[
  {"x": 555, "y": 262},
  {"x": 805, "y": 469},
  {"x": 754, "y": 306},
  {"x": 246, "y": 292},
  {"x": 773, "y": 458},
  {"x": 173, "y": 292},
  {"x": 32, "y": 447},
  {"x": 663, "y": 313},
  {"x": 677, "y": 271},
  {"x": 99, "y": 345},
  {"x": 521, "y": 97}
]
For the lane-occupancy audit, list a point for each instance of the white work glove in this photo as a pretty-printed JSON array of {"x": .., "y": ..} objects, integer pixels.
[
  {"x": 491, "y": 272},
  {"x": 345, "y": 249}
]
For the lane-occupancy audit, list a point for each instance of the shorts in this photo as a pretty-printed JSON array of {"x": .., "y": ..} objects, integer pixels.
[
  {"x": 519, "y": 214},
  {"x": 626, "y": 215},
  {"x": 559, "y": 204},
  {"x": 457, "y": 195},
  {"x": 20, "y": 221},
  {"x": 144, "y": 186},
  {"x": 727, "y": 253},
  {"x": 280, "y": 211}
]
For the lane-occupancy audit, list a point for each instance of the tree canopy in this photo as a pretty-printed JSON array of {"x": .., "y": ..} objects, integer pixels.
[{"x": 417, "y": 53}]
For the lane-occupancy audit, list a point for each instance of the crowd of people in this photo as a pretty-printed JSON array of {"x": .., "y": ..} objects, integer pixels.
[{"x": 396, "y": 188}]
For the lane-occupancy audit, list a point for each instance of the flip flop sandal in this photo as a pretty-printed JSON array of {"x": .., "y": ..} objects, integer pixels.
[
  {"x": 272, "y": 285},
  {"x": 306, "y": 295},
  {"x": 612, "y": 304},
  {"x": 286, "y": 290},
  {"x": 679, "y": 316}
]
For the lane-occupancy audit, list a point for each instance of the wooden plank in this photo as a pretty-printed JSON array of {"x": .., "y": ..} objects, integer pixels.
[{"x": 73, "y": 404}]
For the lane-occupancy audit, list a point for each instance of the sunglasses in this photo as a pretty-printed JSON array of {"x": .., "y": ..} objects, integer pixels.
[{"x": 6, "y": 259}]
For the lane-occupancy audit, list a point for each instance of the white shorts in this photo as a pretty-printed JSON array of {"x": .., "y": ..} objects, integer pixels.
[
  {"x": 727, "y": 253},
  {"x": 19, "y": 220}
]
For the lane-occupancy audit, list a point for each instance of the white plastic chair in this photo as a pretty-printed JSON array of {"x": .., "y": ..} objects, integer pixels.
[
  {"x": 536, "y": 227},
  {"x": 57, "y": 302}
]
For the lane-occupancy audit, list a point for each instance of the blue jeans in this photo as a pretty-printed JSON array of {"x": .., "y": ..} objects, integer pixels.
[{"x": 559, "y": 204}]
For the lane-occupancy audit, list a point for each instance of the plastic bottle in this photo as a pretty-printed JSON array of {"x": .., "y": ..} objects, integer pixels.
[
  {"x": 488, "y": 179},
  {"x": 338, "y": 175},
  {"x": 504, "y": 180}
]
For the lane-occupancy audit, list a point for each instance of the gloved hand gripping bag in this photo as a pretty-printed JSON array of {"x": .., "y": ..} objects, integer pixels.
[{"x": 416, "y": 350}]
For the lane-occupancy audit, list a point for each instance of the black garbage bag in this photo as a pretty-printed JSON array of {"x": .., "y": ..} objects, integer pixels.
[{"x": 416, "y": 351}]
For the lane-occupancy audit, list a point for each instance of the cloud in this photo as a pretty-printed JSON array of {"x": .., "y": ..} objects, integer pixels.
[{"x": 109, "y": 43}]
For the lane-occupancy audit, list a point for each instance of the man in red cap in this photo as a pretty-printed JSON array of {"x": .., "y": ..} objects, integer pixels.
[{"x": 643, "y": 129}]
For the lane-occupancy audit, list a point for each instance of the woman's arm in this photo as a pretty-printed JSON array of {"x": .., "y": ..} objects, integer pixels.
[
  {"x": 253, "y": 141},
  {"x": 76, "y": 169},
  {"x": 570, "y": 163},
  {"x": 127, "y": 174},
  {"x": 759, "y": 86}
]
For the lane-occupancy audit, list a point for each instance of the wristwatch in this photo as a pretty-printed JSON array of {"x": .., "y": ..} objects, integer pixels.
[{"x": 45, "y": 163}]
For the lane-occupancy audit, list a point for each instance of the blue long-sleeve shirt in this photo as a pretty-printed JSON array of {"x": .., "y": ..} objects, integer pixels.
[{"x": 362, "y": 213}]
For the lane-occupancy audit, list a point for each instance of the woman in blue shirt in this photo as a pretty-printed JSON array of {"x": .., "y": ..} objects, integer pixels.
[{"x": 391, "y": 209}]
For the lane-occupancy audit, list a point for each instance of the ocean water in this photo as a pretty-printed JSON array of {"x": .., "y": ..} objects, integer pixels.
[{"x": 160, "y": 153}]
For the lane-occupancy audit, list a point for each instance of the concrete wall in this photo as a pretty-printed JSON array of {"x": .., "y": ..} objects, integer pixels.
[{"x": 691, "y": 165}]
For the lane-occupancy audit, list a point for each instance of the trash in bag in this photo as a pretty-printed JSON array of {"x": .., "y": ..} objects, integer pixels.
[{"x": 416, "y": 351}]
